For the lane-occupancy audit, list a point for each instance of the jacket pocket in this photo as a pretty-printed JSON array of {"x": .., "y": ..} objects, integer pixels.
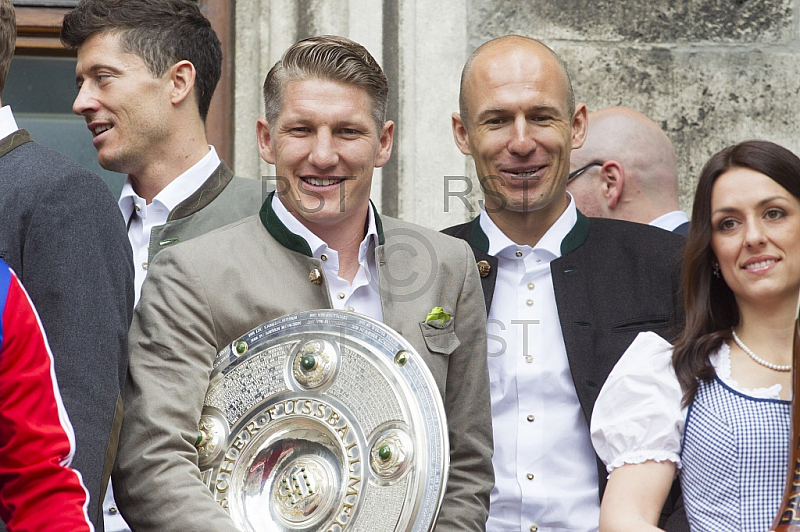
[{"x": 443, "y": 341}]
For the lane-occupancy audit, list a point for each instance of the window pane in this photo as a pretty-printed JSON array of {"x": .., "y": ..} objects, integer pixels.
[{"x": 40, "y": 91}]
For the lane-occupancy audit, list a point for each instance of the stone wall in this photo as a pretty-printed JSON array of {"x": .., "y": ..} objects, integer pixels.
[{"x": 710, "y": 72}]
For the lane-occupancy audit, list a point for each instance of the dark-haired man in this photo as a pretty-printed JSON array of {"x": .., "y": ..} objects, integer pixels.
[
  {"x": 146, "y": 72},
  {"x": 566, "y": 294},
  {"x": 317, "y": 244},
  {"x": 62, "y": 232}
]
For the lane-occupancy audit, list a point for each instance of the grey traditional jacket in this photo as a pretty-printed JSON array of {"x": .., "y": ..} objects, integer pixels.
[
  {"x": 63, "y": 234},
  {"x": 201, "y": 295},
  {"x": 221, "y": 200}
]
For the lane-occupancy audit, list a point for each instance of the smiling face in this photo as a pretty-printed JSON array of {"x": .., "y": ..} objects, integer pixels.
[
  {"x": 125, "y": 107},
  {"x": 755, "y": 225},
  {"x": 520, "y": 131},
  {"x": 324, "y": 145}
]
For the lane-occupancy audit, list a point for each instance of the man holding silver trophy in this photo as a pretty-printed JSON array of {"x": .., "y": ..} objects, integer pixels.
[{"x": 317, "y": 244}]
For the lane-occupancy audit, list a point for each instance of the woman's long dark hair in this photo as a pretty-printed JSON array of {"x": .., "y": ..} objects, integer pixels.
[{"x": 710, "y": 307}]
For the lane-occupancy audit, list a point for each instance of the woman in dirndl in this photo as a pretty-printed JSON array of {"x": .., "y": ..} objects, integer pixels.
[{"x": 715, "y": 407}]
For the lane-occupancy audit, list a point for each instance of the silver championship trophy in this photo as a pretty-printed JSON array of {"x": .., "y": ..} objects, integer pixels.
[{"x": 324, "y": 421}]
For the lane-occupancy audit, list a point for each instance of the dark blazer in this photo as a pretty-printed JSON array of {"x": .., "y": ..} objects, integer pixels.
[
  {"x": 63, "y": 234},
  {"x": 614, "y": 280}
]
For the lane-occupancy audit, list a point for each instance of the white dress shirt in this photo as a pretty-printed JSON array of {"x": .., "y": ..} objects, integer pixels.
[
  {"x": 544, "y": 463},
  {"x": 139, "y": 229},
  {"x": 362, "y": 295},
  {"x": 156, "y": 213},
  {"x": 7, "y": 123},
  {"x": 670, "y": 221}
]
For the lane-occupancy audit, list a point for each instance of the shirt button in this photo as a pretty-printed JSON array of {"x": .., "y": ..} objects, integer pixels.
[
  {"x": 351, "y": 309},
  {"x": 528, "y": 358},
  {"x": 531, "y": 418},
  {"x": 323, "y": 257},
  {"x": 530, "y": 476},
  {"x": 531, "y": 286},
  {"x": 137, "y": 207},
  {"x": 529, "y": 302},
  {"x": 144, "y": 265},
  {"x": 518, "y": 253},
  {"x": 340, "y": 295},
  {"x": 112, "y": 510},
  {"x": 534, "y": 528}
]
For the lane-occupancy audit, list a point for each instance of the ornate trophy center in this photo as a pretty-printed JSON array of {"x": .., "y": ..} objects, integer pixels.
[{"x": 302, "y": 490}]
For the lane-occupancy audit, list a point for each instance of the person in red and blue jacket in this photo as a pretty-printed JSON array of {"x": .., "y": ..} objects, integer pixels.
[{"x": 38, "y": 489}]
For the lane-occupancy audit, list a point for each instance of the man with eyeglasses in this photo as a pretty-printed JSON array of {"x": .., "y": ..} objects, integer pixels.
[
  {"x": 627, "y": 170},
  {"x": 566, "y": 295}
]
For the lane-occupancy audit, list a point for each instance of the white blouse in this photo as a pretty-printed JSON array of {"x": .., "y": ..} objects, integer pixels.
[{"x": 638, "y": 415}]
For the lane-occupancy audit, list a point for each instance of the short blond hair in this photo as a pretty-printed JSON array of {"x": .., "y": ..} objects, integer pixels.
[{"x": 327, "y": 57}]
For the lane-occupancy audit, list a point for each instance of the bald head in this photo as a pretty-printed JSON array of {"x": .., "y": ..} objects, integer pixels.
[
  {"x": 633, "y": 146},
  {"x": 504, "y": 47}
]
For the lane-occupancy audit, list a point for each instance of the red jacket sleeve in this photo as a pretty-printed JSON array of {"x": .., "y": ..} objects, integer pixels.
[{"x": 38, "y": 489}]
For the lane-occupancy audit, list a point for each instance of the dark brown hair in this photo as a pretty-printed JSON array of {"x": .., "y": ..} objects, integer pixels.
[
  {"x": 710, "y": 306},
  {"x": 161, "y": 32},
  {"x": 327, "y": 57},
  {"x": 8, "y": 38}
]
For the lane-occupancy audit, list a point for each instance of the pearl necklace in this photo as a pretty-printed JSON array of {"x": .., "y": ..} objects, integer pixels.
[{"x": 758, "y": 359}]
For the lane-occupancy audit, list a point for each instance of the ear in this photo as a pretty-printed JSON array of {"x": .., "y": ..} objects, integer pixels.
[
  {"x": 386, "y": 142},
  {"x": 579, "y": 122},
  {"x": 612, "y": 175},
  {"x": 181, "y": 77},
  {"x": 460, "y": 134},
  {"x": 264, "y": 140}
]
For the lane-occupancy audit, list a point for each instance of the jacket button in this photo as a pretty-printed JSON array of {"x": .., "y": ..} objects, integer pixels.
[
  {"x": 484, "y": 268},
  {"x": 315, "y": 277}
]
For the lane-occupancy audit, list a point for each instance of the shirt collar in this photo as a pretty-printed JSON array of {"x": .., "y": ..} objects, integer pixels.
[
  {"x": 315, "y": 243},
  {"x": 670, "y": 221},
  {"x": 7, "y": 123},
  {"x": 178, "y": 189},
  {"x": 550, "y": 243}
]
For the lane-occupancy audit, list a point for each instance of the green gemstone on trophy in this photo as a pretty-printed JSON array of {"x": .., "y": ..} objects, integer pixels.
[
  {"x": 401, "y": 358},
  {"x": 308, "y": 362},
  {"x": 241, "y": 347},
  {"x": 384, "y": 452},
  {"x": 199, "y": 439}
]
